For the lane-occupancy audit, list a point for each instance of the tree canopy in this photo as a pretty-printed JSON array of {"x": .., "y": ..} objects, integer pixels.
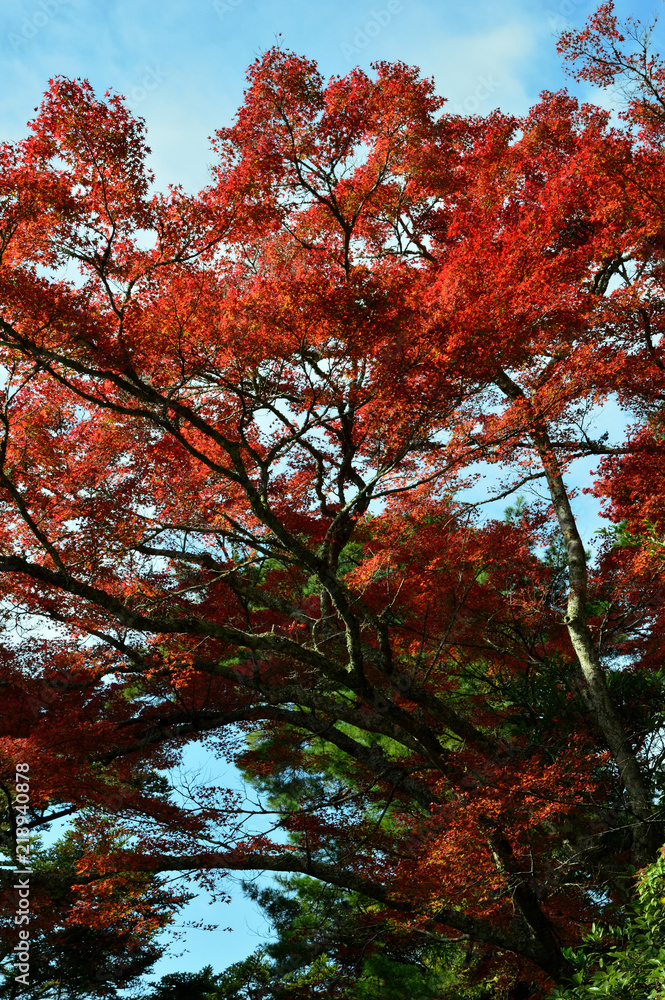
[{"x": 239, "y": 430}]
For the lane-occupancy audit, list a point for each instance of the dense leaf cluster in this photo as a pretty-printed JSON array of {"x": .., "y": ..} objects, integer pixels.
[{"x": 240, "y": 439}]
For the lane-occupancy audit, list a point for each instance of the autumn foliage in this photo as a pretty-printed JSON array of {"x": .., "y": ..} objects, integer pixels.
[{"x": 241, "y": 436}]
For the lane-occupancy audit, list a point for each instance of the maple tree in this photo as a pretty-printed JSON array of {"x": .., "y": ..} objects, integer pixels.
[
  {"x": 237, "y": 430},
  {"x": 82, "y": 942}
]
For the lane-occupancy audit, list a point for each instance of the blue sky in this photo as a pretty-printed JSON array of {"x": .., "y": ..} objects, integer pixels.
[{"x": 182, "y": 65}]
